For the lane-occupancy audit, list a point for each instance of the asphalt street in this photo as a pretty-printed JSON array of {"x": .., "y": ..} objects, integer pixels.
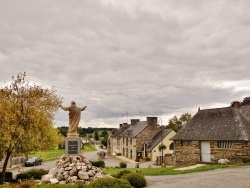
[{"x": 109, "y": 161}]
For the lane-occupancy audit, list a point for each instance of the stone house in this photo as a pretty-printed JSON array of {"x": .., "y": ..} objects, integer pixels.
[
  {"x": 114, "y": 140},
  {"x": 213, "y": 134},
  {"x": 151, "y": 147},
  {"x": 130, "y": 139},
  {"x": 134, "y": 137}
]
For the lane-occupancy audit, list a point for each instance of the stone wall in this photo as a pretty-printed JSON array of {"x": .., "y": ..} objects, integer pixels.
[
  {"x": 189, "y": 155},
  {"x": 148, "y": 133},
  {"x": 238, "y": 153}
]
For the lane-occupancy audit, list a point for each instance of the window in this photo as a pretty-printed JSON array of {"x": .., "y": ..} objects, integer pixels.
[
  {"x": 171, "y": 146},
  {"x": 186, "y": 143},
  {"x": 131, "y": 141},
  {"x": 225, "y": 144}
]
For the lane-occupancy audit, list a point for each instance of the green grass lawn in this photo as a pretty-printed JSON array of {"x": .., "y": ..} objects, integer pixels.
[
  {"x": 47, "y": 155},
  {"x": 170, "y": 171}
]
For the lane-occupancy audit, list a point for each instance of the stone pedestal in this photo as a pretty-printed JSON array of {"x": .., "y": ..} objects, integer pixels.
[{"x": 73, "y": 146}]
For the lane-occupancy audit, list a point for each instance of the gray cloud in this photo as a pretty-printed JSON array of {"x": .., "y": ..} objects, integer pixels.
[{"x": 138, "y": 57}]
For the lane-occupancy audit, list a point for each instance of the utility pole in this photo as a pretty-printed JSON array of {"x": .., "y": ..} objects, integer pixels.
[{"x": 140, "y": 114}]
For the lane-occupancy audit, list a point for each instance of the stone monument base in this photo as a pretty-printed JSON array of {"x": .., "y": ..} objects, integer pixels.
[
  {"x": 73, "y": 169},
  {"x": 73, "y": 146}
]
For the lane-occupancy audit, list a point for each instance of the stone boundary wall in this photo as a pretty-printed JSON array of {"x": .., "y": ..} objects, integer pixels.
[{"x": 189, "y": 155}]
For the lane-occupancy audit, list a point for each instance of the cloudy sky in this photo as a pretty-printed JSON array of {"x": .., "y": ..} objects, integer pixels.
[{"x": 129, "y": 59}]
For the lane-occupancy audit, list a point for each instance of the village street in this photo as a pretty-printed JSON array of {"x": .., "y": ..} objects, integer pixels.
[{"x": 109, "y": 161}]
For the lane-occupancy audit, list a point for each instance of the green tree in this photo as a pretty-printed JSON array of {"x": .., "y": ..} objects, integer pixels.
[
  {"x": 176, "y": 123},
  {"x": 96, "y": 135},
  {"x": 104, "y": 141},
  {"x": 27, "y": 112},
  {"x": 104, "y": 133},
  {"x": 63, "y": 131},
  {"x": 81, "y": 132},
  {"x": 246, "y": 101}
]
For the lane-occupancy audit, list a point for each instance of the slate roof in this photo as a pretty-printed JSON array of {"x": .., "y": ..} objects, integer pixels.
[
  {"x": 151, "y": 144},
  {"x": 121, "y": 130},
  {"x": 216, "y": 124},
  {"x": 134, "y": 130}
]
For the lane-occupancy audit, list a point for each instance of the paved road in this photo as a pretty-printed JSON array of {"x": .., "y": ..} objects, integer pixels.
[
  {"x": 221, "y": 178},
  {"x": 109, "y": 161}
]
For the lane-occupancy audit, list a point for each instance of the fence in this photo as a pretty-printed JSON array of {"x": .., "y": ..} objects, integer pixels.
[{"x": 14, "y": 161}]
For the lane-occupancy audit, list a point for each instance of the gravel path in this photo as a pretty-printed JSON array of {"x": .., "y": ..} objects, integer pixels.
[{"x": 221, "y": 178}]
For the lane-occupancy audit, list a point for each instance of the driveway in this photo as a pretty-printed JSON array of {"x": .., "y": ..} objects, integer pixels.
[{"x": 220, "y": 178}]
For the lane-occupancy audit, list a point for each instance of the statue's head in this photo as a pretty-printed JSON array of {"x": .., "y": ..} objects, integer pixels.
[{"x": 73, "y": 103}]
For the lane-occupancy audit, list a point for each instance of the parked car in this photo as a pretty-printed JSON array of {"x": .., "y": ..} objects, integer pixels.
[{"x": 33, "y": 161}]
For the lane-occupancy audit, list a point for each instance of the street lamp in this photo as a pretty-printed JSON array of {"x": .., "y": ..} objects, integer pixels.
[{"x": 161, "y": 150}]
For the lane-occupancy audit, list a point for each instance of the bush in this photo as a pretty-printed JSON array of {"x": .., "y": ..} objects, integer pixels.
[
  {"x": 123, "y": 165},
  {"x": 27, "y": 184},
  {"x": 136, "y": 180},
  {"x": 8, "y": 176},
  {"x": 109, "y": 182},
  {"x": 122, "y": 173},
  {"x": 98, "y": 163},
  {"x": 32, "y": 174}
]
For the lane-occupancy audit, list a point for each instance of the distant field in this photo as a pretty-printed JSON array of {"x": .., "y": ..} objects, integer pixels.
[{"x": 47, "y": 155}]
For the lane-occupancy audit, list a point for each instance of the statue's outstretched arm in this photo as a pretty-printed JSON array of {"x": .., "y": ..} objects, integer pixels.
[
  {"x": 64, "y": 108},
  {"x": 83, "y": 108}
]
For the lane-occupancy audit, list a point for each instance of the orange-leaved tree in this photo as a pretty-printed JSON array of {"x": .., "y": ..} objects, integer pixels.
[{"x": 27, "y": 114}]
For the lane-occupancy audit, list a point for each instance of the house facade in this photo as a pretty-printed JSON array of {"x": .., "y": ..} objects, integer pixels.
[
  {"x": 213, "y": 134},
  {"x": 151, "y": 147},
  {"x": 130, "y": 139},
  {"x": 115, "y": 140}
]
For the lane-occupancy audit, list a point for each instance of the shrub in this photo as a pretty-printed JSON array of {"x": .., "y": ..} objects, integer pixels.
[
  {"x": 123, "y": 165},
  {"x": 23, "y": 176},
  {"x": 8, "y": 176},
  {"x": 27, "y": 184},
  {"x": 109, "y": 182},
  {"x": 136, "y": 180},
  {"x": 122, "y": 173},
  {"x": 98, "y": 163},
  {"x": 162, "y": 147},
  {"x": 32, "y": 174}
]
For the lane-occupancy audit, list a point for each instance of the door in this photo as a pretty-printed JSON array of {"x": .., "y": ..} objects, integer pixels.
[{"x": 205, "y": 151}]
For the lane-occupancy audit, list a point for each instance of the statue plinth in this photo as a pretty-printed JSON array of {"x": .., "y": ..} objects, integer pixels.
[
  {"x": 73, "y": 145},
  {"x": 72, "y": 135}
]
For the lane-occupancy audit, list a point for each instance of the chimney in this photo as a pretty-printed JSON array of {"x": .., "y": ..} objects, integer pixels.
[
  {"x": 152, "y": 121},
  {"x": 120, "y": 125},
  {"x": 134, "y": 121},
  {"x": 235, "y": 104}
]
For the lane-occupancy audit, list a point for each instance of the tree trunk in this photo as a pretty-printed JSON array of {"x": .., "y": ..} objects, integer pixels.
[{"x": 2, "y": 179}]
